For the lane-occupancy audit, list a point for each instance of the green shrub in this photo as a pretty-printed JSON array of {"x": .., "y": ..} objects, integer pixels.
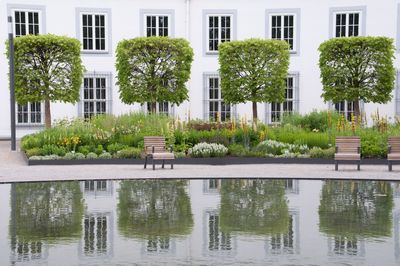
[
  {"x": 317, "y": 152},
  {"x": 29, "y": 142},
  {"x": 115, "y": 147},
  {"x": 85, "y": 149},
  {"x": 79, "y": 156},
  {"x": 49, "y": 149},
  {"x": 316, "y": 120},
  {"x": 99, "y": 150},
  {"x": 105, "y": 155},
  {"x": 272, "y": 147},
  {"x": 33, "y": 152},
  {"x": 69, "y": 156},
  {"x": 237, "y": 150},
  {"x": 91, "y": 156},
  {"x": 130, "y": 152}
]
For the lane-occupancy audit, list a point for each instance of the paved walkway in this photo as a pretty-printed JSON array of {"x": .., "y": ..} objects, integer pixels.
[{"x": 14, "y": 169}]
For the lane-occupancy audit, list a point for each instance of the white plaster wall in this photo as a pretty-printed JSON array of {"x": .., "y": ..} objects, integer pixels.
[{"x": 381, "y": 19}]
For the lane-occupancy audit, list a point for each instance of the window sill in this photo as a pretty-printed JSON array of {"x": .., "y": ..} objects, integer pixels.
[
  {"x": 27, "y": 126},
  {"x": 91, "y": 52},
  {"x": 211, "y": 53}
]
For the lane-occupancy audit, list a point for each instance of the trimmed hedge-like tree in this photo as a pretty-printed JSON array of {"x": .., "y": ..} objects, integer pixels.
[
  {"x": 357, "y": 68},
  {"x": 253, "y": 70},
  {"x": 47, "y": 68},
  {"x": 153, "y": 69}
]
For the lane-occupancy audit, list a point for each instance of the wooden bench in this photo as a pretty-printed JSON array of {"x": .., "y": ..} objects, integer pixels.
[
  {"x": 393, "y": 151},
  {"x": 155, "y": 149},
  {"x": 347, "y": 150}
]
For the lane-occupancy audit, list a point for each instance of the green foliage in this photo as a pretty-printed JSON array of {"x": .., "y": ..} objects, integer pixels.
[
  {"x": 273, "y": 147},
  {"x": 47, "y": 68},
  {"x": 253, "y": 70},
  {"x": 204, "y": 149},
  {"x": 319, "y": 121},
  {"x": 317, "y": 152},
  {"x": 115, "y": 147},
  {"x": 99, "y": 150},
  {"x": 357, "y": 68},
  {"x": 129, "y": 153},
  {"x": 85, "y": 149},
  {"x": 53, "y": 149},
  {"x": 153, "y": 69},
  {"x": 91, "y": 156},
  {"x": 33, "y": 152},
  {"x": 237, "y": 150},
  {"x": 69, "y": 156},
  {"x": 79, "y": 156},
  {"x": 356, "y": 209}
]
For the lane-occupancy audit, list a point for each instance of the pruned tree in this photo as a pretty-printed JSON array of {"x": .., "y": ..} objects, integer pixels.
[
  {"x": 253, "y": 70},
  {"x": 47, "y": 68},
  {"x": 357, "y": 69},
  {"x": 153, "y": 69}
]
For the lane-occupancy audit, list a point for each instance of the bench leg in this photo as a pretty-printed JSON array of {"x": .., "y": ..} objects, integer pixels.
[
  {"x": 145, "y": 162},
  {"x": 163, "y": 161},
  {"x": 172, "y": 165},
  {"x": 358, "y": 166},
  {"x": 390, "y": 166},
  {"x": 336, "y": 166},
  {"x": 154, "y": 165}
]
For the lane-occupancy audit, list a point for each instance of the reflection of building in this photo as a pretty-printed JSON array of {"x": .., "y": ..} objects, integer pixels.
[
  {"x": 396, "y": 189},
  {"x": 292, "y": 186},
  {"x": 215, "y": 240},
  {"x": 97, "y": 188},
  {"x": 211, "y": 186},
  {"x": 289, "y": 242},
  {"x": 156, "y": 245},
  {"x": 34, "y": 251},
  {"x": 98, "y": 221},
  {"x": 346, "y": 246},
  {"x": 396, "y": 224}
]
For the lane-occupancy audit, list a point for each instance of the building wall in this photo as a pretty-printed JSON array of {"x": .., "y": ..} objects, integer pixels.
[{"x": 61, "y": 19}]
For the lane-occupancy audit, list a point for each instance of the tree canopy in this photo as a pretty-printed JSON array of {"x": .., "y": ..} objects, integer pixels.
[
  {"x": 153, "y": 69},
  {"x": 357, "y": 68},
  {"x": 47, "y": 68},
  {"x": 253, "y": 70}
]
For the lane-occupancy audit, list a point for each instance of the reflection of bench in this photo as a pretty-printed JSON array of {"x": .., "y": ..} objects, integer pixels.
[
  {"x": 393, "y": 151},
  {"x": 347, "y": 150},
  {"x": 154, "y": 148}
]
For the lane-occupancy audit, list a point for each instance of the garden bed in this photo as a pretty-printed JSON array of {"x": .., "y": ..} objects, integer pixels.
[{"x": 205, "y": 161}]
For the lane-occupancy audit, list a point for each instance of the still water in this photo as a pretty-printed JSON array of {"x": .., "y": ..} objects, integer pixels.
[{"x": 200, "y": 222}]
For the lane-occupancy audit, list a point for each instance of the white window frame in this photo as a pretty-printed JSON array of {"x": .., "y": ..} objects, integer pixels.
[
  {"x": 108, "y": 94},
  {"x": 219, "y": 30},
  {"x": 171, "y": 108},
  {"x": 219, "y": 100},
  {"x": 93, "y": 14},
  {"x": 157, "y": 15},
  {"x": 294, "y": 100},
  {"x": 41, "y": 12},
  {"x": 282, "y": 15},
  {"x": 347, "y": 25}
]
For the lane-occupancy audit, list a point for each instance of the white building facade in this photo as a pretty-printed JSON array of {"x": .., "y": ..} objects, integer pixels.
[{"x": 100, "y": 25}]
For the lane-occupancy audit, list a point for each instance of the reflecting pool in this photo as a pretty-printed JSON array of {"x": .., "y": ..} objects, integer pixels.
[{"x": 200, "y": 222}]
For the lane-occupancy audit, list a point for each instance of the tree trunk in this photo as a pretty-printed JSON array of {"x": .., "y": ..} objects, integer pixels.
[
  {"x": 357, "y": 109},
  {"x": 153, "y": 108},
  {"x": 47, "y": 114},
  {"x": 254, "y": 112}
]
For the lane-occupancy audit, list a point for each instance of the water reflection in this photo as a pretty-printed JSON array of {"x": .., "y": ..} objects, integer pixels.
[
  {"x": 43, "y": 212},
  {"x": 154, "y": 210},
  {"x": 254, "y": 206}
]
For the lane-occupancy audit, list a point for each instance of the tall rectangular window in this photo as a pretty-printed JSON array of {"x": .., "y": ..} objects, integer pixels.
[
  {"x": 347, "y": 24},
  {"x": 287, "y": 107},
  {"x": 95, "y": 96},
  {"x": 157, "y": 25},
  {"x": 219, "y": 28},
  {"x": 94, "y": 32},
  {"x": 217, "y": 109},
  {"x": 28, "y": 22},
  {"x": 283, "y": 28}
]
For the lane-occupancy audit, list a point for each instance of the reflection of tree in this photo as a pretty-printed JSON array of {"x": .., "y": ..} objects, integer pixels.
[
  {"x": 47, "y": 210},
  {"x": 255, "y": 206},
  {"x": 154, "y": 208},
  {"x": 356, "y": 208}
]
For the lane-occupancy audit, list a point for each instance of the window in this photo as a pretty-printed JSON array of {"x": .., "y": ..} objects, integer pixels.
[
  {"x": 157, "y": 25},
  {"x": 219, "y": 31},
  {"x": 95, "y": 95},
  {"x": 217, "y": 240},
  {"x": 94, "y": 32},
  {"x": 275, "y": 111},
  {"x": 164, "y": 107},
  {"x": 282, "y": 28},
  {"x": 284, "y": 24},
  {"x": 28, "y": 22},
  {"x": 215, "y": 109},
  {"x": 347, "y": 22}
]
